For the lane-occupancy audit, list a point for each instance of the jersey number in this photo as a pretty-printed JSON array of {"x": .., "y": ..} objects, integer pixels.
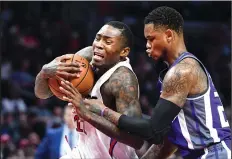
[
  {"x": 113, "y": 142},
  {"x": 80, "y": 124},
  {"x": 224, "y": 122}
]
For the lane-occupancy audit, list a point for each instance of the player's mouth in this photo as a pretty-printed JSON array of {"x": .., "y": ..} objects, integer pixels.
[
  {"x": 148, "y": 52},
  {"x": 98, "y": 56}
]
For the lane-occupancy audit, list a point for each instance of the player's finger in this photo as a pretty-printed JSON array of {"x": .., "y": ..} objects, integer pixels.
[
  {"x": 59, "y": 78},
  {"x": 69, "y": 69},
  {"x": 65, "y": 57},
  {"x": 69, "y": 86},
  {"x": 72, "y": 64},
  {"x": 67, "y": 92},
  {"x": 62, "y": 58},
  {"x": 67, "y": 99},
  {"x": 68, "y": 83},
  {"x": 67, "y": 74}
]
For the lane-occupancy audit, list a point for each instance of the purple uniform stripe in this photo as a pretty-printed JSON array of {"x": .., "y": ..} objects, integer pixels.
[{"x": 196, "y": 122}]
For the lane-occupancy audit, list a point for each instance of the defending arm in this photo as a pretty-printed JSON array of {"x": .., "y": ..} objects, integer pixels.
[{"x": 155, "y": 128}]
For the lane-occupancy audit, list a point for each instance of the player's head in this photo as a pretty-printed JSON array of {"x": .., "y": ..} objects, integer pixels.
[
  {"x": 163, "y": 26},
  {"x": 69, "y": 117},
  {"x": 112, "y": 43}
]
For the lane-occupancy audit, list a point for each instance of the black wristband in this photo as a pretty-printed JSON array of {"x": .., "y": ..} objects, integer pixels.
[{"x": 155, "y": 128}]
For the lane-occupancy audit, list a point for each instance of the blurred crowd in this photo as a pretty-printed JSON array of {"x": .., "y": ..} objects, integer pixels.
[{"x": 34, "y": 33}]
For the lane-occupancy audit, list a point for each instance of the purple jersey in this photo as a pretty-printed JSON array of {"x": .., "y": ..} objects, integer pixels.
[{"x": 202, "y": 120}]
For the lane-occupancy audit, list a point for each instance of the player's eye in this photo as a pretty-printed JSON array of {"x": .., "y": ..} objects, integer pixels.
[
  {"x": 97, "y": 38},
  {"x": 108, "y": 42}
]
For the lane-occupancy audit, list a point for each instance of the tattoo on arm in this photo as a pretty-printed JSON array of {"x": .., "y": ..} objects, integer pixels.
[
  {"x": 124, "y": 86},
  {"x": 111, "y": 129},
  {"x": 177, "y": 83},
  {"x": 42, "y": 89},
  {"x": 41, "y": 84}
]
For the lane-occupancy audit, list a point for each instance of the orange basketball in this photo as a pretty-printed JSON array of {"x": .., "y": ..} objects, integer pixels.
[{"x": 84, "y": 83}]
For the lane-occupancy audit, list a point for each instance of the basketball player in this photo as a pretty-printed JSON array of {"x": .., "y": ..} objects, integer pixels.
[
  {"x": 189, "y": 109},
  {"x": 116, "y": 86}
]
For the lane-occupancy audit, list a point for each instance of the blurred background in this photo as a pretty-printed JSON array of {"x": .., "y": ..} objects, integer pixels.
[{"x": 34, "y": 33}]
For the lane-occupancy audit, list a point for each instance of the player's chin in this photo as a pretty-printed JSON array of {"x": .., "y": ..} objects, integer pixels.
[
  {"x": 98, "y": 63},
  {"x": 155, "y": 58}
]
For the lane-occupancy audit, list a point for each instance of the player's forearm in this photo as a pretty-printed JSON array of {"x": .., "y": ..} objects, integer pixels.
[
  {"x": 42, "y": 89},
  {"x": 112, "y": 130},
  {"x": 86, "y": 52},
  {"x": 152, "y": 129}
]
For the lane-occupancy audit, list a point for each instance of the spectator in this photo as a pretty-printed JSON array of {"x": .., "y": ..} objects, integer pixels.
[{"x": 54, "y": 143}]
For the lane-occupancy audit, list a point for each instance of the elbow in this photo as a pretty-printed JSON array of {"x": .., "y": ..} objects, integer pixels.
[{"x": 40, "y": 95}]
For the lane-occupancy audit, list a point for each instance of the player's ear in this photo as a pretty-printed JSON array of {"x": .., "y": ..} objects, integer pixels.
[
  {"x": 169, "y": 35},
  {"x": 125, "y": 52}
]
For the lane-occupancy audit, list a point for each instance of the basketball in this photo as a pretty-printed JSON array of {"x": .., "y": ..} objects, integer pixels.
[{"x": 83, "y": 84}]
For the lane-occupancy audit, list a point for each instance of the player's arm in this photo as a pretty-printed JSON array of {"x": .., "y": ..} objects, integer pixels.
[
  {"x": 123, "y": 85},
  {"x": 87, "y": 53},
  {"x": 176, "y": 86},
  {"x": 57, "y": 68}
]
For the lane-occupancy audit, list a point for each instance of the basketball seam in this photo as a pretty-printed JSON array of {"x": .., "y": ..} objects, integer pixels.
[{"x": 83, "y": 77}]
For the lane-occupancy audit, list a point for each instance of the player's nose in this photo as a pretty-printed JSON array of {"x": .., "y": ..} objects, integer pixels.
[
  {"x": 99, "y": 44},
  {"x": 148, "y": 46}
]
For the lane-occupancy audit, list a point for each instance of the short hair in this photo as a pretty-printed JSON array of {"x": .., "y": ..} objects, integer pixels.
[
  {"x": 166, "y": 17},
  {"x": 125, "y": 32}
]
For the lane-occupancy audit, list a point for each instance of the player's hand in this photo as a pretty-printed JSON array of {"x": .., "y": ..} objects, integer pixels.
[
  {"x": 94, "y": 105},
  {"x": 72, "y": 96},
  {"x": 59, "y": 68}
]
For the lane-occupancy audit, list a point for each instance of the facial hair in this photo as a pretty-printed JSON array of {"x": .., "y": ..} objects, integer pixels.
[{"x": 160, "y": 64}]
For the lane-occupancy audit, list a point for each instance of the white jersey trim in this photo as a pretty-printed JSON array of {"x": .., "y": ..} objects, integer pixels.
[
  {"x": 206, "y": 153},
  {"x": 184, "y": 129},
  {"x": 209, "y": 118}
]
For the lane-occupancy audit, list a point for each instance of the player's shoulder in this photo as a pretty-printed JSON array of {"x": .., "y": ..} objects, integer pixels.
[
  {"x": 124, "y": 72},
  {"x": 122, "y": 77},
  {"x": 123, "y": 82},
  {"x": 186, "y": 68},
  {"x": 122, "y": 69}
]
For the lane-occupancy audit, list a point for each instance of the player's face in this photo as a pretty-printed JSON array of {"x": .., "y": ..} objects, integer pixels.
[
  {"x": 107, "y": 46},
  {"x": 156, "y": 42}
]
